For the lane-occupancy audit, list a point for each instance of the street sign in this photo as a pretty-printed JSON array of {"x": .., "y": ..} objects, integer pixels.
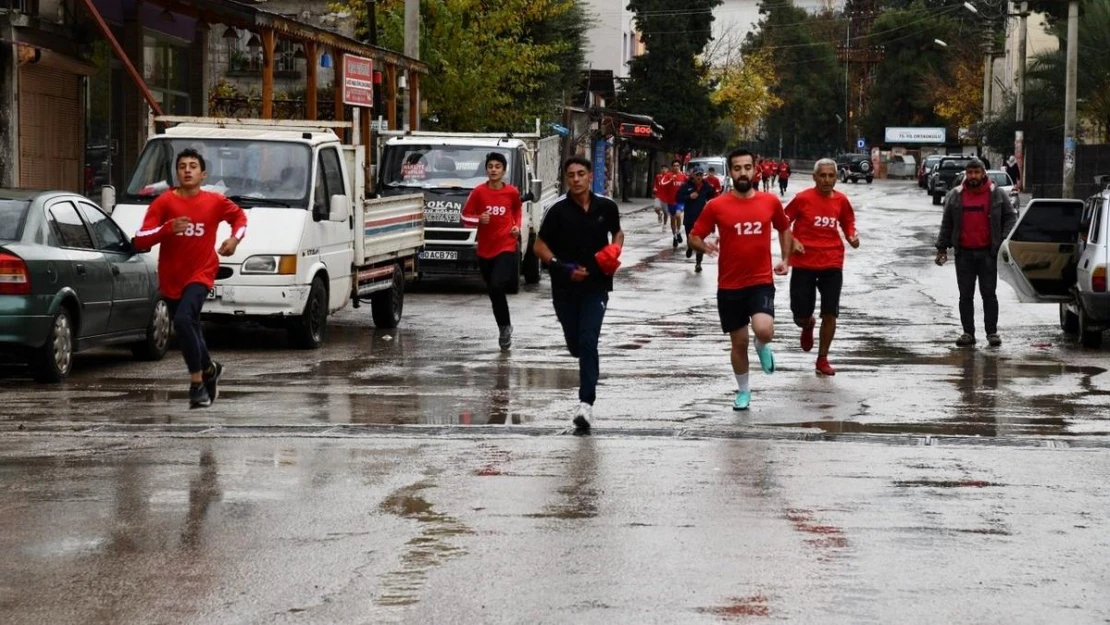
[
  {"x": 916, "y": 135},
  {"x": 861, "y": 143},
  {"x": 358, "y": 80}
]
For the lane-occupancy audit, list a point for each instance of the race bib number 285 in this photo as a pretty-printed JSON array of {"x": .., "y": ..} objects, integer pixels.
[{"x": 192, "y": 230}]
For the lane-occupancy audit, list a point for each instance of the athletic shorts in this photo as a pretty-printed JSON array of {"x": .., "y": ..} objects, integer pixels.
[
  {"x": 675, "y": 209},
  {"x": 736, "y": 307},
  {"x": 658, "y": 204},
  {"x": 805, "y": 284}
]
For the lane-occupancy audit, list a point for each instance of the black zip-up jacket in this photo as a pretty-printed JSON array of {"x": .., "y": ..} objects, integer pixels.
[{"x": 1002, "y": 216}]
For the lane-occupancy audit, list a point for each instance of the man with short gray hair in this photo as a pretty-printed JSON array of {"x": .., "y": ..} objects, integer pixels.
[{"x": 977, "y": 218}]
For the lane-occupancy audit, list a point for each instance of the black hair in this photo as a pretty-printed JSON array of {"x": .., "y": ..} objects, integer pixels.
[
  {"x": 578, "y": 160},
  {"x": 712, "y": 170},
  {"x": 676, "y": 161},
  {"x": 499, "y": 157},
  {"x": 739, "y": 152},
  {"x": 190, "y": 153}
]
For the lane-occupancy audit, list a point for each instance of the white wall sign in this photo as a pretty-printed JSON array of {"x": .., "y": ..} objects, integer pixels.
[{"x": 916, "y": 135}]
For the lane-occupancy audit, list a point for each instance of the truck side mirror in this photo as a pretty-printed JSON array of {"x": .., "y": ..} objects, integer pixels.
[
  {"x": 535, "y": 189},
  {"x": 340, "y": 210},
  {"x": 108, "y": 198}
]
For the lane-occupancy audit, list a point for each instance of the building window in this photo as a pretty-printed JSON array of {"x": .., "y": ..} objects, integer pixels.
[{"x": 166, "y": 72}]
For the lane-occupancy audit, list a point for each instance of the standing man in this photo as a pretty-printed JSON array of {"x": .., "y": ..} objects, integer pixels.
[
  {"x": 714, "y": 182},
  {"x": 675, "y": 179},
  {"x": 494, "y": 207},
  {"x": 1014, "y": 171},
  {"x": 745, "y": 285},
  {"x": 574, "y": 231},
  {"x": 694, "y": 195},
  {"x": 184, "y": 221},
  {"x": 978, "y": 216},
  {"x": 818, "y": 217},
  {"x": 784, "y": 177}
]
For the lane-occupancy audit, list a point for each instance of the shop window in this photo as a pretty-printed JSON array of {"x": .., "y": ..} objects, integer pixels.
[{"x": 166, "y": 72}]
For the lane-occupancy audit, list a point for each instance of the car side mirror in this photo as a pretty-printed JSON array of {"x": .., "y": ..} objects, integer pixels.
[
  {"x": 340, "y": 208},
  {"x": 107, "y": 198}
]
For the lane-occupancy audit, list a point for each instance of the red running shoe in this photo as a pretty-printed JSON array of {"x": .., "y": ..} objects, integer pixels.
[
  {"x": 807, "y": 335},
  {"x": 823, "y": 366}
]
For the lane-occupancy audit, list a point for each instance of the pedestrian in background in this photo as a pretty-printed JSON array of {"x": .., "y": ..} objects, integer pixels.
[
  {"x": 184, "y": 220},
  {"x": 494, "y": 208},
  {"x": 977, "y": 218},
  {"x": 694, "y": 195},
  {"x": 577, "y": 231}
]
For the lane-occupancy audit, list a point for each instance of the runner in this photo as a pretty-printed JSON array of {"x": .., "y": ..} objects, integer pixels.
[
  {"x": 573, "y": 241},
  {"x": 745, "y": 284},
  {"x": 494, "y": 207},
  {"x": 784, "y": 177},
  {"x": 660, "y": 203},
  {"x": 694, "y": 195},
  {"x": 767, "y": 173},
  {"x": 184, "y": 221},
  {"x": 819, "y": 215},
  {"x": 674, "y": 208},
  {"x": 714, "y": 182}
]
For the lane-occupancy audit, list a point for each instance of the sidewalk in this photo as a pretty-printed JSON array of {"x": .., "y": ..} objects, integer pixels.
[{"x": 635, "y": 206}]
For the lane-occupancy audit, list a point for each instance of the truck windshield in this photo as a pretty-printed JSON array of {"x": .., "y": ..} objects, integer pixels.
[
  {"x": 438, "y": 166},
  {"x": 267, "y": 171}
]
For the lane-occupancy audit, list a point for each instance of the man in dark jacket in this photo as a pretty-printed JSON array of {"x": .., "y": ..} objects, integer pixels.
[
  {"x": 978, "y": 216},
  {"x": 694, "y": 194}
]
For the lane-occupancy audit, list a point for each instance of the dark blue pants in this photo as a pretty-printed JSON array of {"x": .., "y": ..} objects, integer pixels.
[
  {"x": 186, "y": 321},
  {"x": 581, "y": 316}
]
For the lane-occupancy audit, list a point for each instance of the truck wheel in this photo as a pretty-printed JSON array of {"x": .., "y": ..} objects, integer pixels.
[
  {"x": 1088, "y": 337},
  {"x": 514, "y": 282},
  {"x": 1069, "y": 321},
  {"x": 157, "y": 334},
  {"x": 53, "y": 361},
  {"x": 531, "y": 266},
  {"x": 936, "y": 199},
  {"x": 308, "y": 330},
  {"x": 386, "y": 306}
]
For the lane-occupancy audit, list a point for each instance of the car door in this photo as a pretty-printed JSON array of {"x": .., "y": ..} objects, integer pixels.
[
  {"x": 92, "y": 275},
  {"x": 333, "y": 238},
  {"x": 1040, "y": 256},
  {"x": 132, "y": 287}
]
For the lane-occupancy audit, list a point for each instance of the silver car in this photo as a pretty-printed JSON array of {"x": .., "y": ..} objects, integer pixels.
[{"x": 1058, "y": 253}]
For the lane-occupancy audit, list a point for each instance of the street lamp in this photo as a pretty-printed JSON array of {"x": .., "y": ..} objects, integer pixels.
[
  {"x": 940, "y": 43},
  {"x": 971, "y": 7}
]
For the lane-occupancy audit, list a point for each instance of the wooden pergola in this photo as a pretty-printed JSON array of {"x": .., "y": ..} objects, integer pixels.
[{"x": 269, "y": 27}]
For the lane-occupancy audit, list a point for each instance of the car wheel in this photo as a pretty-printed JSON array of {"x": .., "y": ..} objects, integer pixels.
[
  {"x": 54, "y": 360},
  {"x": 843, "y": 176},
  {"x": 1088, "y": 336},
  {"x": 386, "y": 306},
  {"x": 1069, "y": 321},
  {"x": 869, "y": 179},
  {"x": 309, "y": 329},
  {"x": 157, "y": 334},
  {"x": 855, "y": 180}
]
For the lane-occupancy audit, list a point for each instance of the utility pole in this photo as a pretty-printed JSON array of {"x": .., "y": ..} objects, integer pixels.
[
  {"x": 1019, "y": 112},
  {"x": 863, "y": 14},
  {"x": 412, "y": 29},
  {"x": 1071, "y": 75}
]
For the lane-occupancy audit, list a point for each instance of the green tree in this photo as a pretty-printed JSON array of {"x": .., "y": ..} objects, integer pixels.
[
  {"x": 805, "y": 80},
  {"x": 670, "y": 82},
  {"x": 492, "y": 66}
]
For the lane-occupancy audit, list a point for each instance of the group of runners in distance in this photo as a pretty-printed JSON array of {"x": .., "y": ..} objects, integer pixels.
[{"x": 580, "y": 242}]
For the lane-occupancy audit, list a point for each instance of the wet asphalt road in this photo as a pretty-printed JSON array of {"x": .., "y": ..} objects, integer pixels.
[{"x": 923, "y": 484}]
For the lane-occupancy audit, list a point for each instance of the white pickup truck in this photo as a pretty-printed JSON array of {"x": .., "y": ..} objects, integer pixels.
[{"x": 314, "y": 243}]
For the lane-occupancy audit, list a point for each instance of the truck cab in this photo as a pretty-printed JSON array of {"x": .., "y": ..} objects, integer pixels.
[
  {"x": 1058, "y": 254},
  {"x": 445, "y": 168}
]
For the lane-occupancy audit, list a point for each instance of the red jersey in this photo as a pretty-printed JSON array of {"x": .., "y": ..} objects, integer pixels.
[
  {"x": 714, "y": 182},
  {"x": 817, "y": 223},
  {"x": 188, "y": 257},
  {"x": 784, "y": 170},
  {"x": 669, "y": 184},
  {"x": 975, "y": 224},
  {"x": 504, "y": 208},
  {"x": 658, "y": 188},
  {"x": 767, "y": 168},
  {"x": 745, "y": 230}
]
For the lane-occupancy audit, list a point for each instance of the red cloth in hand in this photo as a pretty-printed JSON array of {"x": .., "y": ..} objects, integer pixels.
[{"x": 608, "y": 259}]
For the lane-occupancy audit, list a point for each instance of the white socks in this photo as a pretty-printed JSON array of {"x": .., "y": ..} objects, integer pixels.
[
  {"x": 742, "y": 382},
  {"x": 759, "y": 345}
]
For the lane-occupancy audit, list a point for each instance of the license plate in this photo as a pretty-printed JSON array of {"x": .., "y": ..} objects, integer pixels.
[
  {"x": 437, "y": 255},
  {"x": 215, "y": 293}
]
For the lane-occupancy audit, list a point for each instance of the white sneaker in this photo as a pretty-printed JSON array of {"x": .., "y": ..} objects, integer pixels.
[{"x": 582, "y": 418}]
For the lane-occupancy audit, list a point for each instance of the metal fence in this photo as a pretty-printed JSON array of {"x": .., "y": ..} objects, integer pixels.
[{"x": 1044, "y": 168}]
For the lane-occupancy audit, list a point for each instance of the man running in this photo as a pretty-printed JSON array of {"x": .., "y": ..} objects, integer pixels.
[
  {"x": 675, "y": 180},
  {"x": 767, "y": 172},
  {"x": 784, "y": 177},
  {"x": 494, "y": 207},
  {"x": 714, "y": 182},
  {"x": 745, "y": 284},
  {"x": 818, "y": 216},
  {"x": 184, "y": 221},
  {"x": 660, "y": 195},
  {"x": 694, "y": 195},
  {"x": 573, "y": 232}
]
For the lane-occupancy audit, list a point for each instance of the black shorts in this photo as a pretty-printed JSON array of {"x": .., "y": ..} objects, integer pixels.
[
  {"x": 737, "y": 306},
  {"x": 804, "y": 286},
  {"x": 499, "y": 271}
]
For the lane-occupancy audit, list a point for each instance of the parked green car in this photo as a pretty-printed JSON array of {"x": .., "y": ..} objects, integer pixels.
[{"x": 70, "y": 280}]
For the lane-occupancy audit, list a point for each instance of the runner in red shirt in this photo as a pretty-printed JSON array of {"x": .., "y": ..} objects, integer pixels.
[
  {"x": 494, "y": 207},
  {"x": 184, "y": 221},
  {"x": 784, "y": 177},
  {"x": 767, "y": 171},
  {"x": 744, "y": 218},
  {"x": 660, "y": 194},
  {"x": 673, "y": 182},
  {"x": 713, "y": 180},
  {"x": 819, "y": 216}
]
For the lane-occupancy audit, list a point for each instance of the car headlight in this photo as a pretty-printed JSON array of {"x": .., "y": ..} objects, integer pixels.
[{"x": 270, "y": 265}]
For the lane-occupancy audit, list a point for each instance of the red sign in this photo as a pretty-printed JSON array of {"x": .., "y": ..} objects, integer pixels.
[
  {"x": 358, "y": 80},
  {"x": 635, "y": 130}
]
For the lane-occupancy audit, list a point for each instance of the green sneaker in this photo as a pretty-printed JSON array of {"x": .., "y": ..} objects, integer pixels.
[
  {"x": 766, "y": 359},
  {"x": 742, "y": 401}
]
